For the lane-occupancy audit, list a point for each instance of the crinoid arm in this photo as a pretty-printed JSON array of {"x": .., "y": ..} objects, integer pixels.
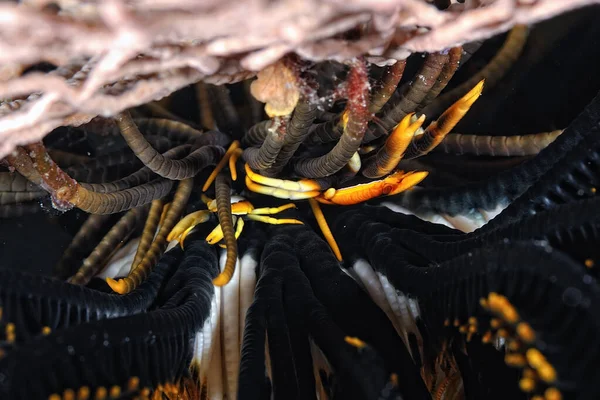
[
  {"x": 231, "y": 152},
  {"x": 388, "y": 157},
  {"x": 437, "y": 130},
  {"x": 226, "y": 223}
]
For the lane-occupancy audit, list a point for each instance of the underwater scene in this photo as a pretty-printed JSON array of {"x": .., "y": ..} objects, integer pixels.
[{"x": 386, "y": 200}]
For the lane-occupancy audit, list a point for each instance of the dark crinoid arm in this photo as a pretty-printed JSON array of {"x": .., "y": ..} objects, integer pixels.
[{"x": 122, "y": 356}]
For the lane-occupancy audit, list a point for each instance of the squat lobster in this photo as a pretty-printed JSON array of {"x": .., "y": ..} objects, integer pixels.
[
  {"x": 240, "y": 207},
  {"x": 310, "y": 189}
]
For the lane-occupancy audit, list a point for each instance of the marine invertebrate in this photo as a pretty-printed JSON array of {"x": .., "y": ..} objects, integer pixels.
[{"x": 415, "y": 310}]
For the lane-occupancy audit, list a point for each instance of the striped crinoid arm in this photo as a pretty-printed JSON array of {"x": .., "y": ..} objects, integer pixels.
[
  {"x": 450, "y": 67},
  {"x": 495, "y": 70},
  {"x": 58, "y": 183},
  {"x": 179, "y": 132},
  {"x": 326, "y": 132},
  {"x": 15, "y": 182},
  {"x": 152, "y": 222},
  {"x": 437, "y": 130},
  {"x": 109, "y": 243},
  {"x": 35, "y": 163},
  {"x": 137, "y": 178},
  {"x": 20, "y": 197},
  {"x": 142, "y": 271},
  {"x": 20, "y": 161},
  {"x": 224, "y": 111},
  {"x": 160, "y": 111},
  {"x": 390, "y": 81},
  {"x": 206, "y": 115},
  {"x": 68, "y": 159},
  {"x": 509, "y": 146},
  {"x": 89, "y": 231},
  {"x": 390, "y": 154},
  {"x": 223, "y": 198},
  {"x": 257, "y": 133},
  {"x": 355, "y": 120},
  {"x": 185, "y": 168},
  {"x": 263, "y": 157},
  {"x": 16, "y": 210},
  {"x": 110, "y": 203},
  {"x": 298, "y": 130},
  {"x": 173, "y": 131},
  {"x": 413, "y": 95}
]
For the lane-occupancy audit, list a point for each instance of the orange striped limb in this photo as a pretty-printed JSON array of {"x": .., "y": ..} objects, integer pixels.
[
  {"x": 235, "y": 145},
  {"x": 153, "y": 220},
  {"x": 388, "y": 157},
  {"x": 163, "y": 214},
  {"x": 393, "y": 184},
  {"x": 457, "y": 111},
  {"x": 437, "y": 130},
  {"x": 139, "y": 274}
]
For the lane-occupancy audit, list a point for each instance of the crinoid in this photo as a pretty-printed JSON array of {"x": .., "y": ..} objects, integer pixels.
[{"x": 340, "y": 241}]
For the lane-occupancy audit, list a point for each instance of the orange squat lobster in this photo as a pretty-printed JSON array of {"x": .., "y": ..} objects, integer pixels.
[{"x": 382, "y": 165}]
